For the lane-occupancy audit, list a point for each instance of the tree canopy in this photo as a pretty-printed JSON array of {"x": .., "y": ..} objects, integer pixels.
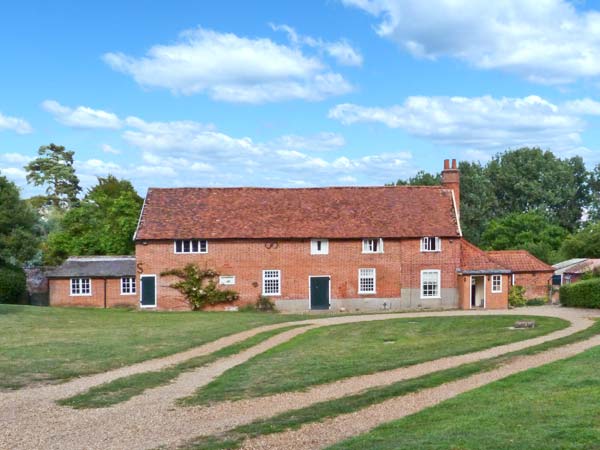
[
  {"x": 19, "y": 226},
  {"x": 54, "y": 169},
  {"x": 103, "y": 223}
]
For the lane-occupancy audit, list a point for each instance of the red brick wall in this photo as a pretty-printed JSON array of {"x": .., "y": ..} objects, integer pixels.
[
  {"x": 60, "y": 290},
  {"x": 535, "y": 284},
  {"x": 397, "y": 268},
  {"x": 498, "y": 300}
]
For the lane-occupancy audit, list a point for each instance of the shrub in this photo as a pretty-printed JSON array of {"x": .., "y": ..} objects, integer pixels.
[
  {"x": 264, "y": 304},
  {"x": 516, "y": 296},
  {"x": 199, "y": 286},
  {"x": 13, "y": 285},
  {"x": 583, "y": 294},
  {"x": 538, "y": 301}
]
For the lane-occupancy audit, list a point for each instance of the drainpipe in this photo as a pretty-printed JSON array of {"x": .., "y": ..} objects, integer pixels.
[{"x": 104, "y": 292}]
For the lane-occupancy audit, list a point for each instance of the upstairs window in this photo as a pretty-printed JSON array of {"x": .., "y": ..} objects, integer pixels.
[
  {"x": 372, "y": 245},
  {"x": 81, "y": 286},
  {"x": 319, "y": 247},
  {"x": 127, "y": 285},
  {"x": 430, "y": 284},
  {"x": 431, "y": 244},
  {"x": 191, "y": 246},
  {"x": 271, "y": 282},
  {"x": 367, "y": 281},
  {"x": 496, "y": 283}
]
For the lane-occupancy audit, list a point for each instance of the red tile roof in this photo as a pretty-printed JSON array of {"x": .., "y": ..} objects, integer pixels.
[
  {"x": 335, "y": 212},
  {"x": 473, "y": 259},
  {"x": 519, "y": 261}
]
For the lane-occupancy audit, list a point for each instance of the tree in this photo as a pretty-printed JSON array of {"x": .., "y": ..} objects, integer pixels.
[
  {"x": 527, "y": 231},
  {"x": 422, "y": 178},
  {"x": 103, "y": 223},
  {"x": 477, "y": 200},
  {"x": 583, "y": 244},
  {"x": 19, "y": 226},
  {"x": 54, "y": 169},
  {"x": 530, "y": 179}
]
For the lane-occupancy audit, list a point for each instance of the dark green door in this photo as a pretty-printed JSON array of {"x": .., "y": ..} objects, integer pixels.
[
  {"x": 148, "y": 291},
  {"x": 319, "y": 292}
]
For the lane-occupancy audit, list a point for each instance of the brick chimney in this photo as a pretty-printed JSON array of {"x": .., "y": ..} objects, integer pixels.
[{"x": 451, "y": 180}]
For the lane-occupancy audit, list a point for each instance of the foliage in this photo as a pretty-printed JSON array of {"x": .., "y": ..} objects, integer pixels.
[
  {"x": 583, "y": 244},
  {"x": 103, "y": 223},
  {"x": 516, "y": 296},
  {"x": 422, "y": 178},
  {"x": 13, "y": 286},
  {"x": 199, "y": 286},
  {"x": 531, "y": 179},
  {"x": 530, "y": 231},
  {"x": 19, "y": 226},
  {"x": 583, "y": 294},
  {"x": 591, "y": 274},
  {"x": 264, "y": 304},
  {"x": 538, "y": 301},
  {"x": 54, "y": 169}
]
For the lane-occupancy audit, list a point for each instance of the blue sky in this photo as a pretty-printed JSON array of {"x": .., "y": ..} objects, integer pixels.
[{"x": 312, "y": 93}]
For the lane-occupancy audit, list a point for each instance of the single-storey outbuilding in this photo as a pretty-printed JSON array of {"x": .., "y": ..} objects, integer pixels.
[{"x": 98, "y": 281}]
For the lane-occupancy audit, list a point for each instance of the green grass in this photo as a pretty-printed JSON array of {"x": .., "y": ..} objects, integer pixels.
[
  {"x": 550, "y": 407},
  {"x": 320, "y": 411},
  {"x": 331, "y": 353},
  {"x": 45, "y": 345},
  {"x": 122, "y": 389}
]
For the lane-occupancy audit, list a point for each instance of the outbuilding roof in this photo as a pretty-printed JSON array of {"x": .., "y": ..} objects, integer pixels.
[
  {"x": 95, "y": 266},
  {"x": 476, "y": 261},
  {"x": 263, "y": 213},
  {"x": 519, "y": 261}
]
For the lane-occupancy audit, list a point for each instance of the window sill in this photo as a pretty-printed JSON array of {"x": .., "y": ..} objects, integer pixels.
[
  {"x": 372, "y": 253},
  {"x": 431, "y": 298},
  {"x": 190, "y": 253},
  {"x": 80, "y": 295},
  {"x": 366, "y": 293},
  {"x": 431, "y": 251},
  {"x": 128, "y": 294},
  {"x": 271, "y": 295}
]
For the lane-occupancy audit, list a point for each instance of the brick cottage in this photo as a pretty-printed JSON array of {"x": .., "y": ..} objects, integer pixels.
[{"x": 358, "y": 248}]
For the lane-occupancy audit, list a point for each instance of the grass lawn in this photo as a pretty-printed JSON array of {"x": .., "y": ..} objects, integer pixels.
[
  {"x": 294, "y": 419},
  {"x": 122, "y": 389},
  {"x": 551, "y": 407},
  {"x": 41, "y": 345},
  {"x": 331, "y": 353}
]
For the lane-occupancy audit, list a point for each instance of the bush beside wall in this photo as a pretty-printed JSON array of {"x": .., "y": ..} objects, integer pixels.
[
  {"x": 13, "y": 285},
  {"x": 583, "y": 294}
]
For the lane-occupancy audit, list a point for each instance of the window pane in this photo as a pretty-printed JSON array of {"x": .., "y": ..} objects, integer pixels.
[
  {"x": 203, "y": 246},
  {"x": 178, "y": 248},
  {"x": 186, "y": 246}
]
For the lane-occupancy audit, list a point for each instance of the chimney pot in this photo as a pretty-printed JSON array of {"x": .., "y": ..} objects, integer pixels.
[
  {"x": 454, "y": 164},
  {"x": 446, "y": 164}
]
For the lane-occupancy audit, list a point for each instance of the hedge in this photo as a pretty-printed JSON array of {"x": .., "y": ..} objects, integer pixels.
[
  {"x": 13, "y": 286},
  {"x": 583, "y": 294}
]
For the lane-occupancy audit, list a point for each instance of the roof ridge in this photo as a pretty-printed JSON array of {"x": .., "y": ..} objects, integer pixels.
[{"x": 438, "y": 187}]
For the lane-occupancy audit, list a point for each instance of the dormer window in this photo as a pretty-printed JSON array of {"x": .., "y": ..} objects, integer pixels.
[
  {"x": 319, "y": 247},
  {"x": 431, "y": 244},
  {"x": 191, "y": 246},
  {"x": 372, "y": 245}
]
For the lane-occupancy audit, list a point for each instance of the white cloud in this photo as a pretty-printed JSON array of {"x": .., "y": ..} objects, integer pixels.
[
  {"x": 17, "y": 158},
  {"x": 479, "y": 122},
  {"x": 81, "y": 116},
  {"x": 585, "y": 106},
  {"x": 324, "y": 141},
  {"x": 342, "y": 51},
  {"x": 546, "y": 41},
  {"x": 106, "y": 148},
  {"x": 231, "y": 68},
  {"x": 16, "y": 124}
]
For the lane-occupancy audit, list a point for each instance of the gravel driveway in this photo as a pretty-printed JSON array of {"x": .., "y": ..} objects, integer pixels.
[{"x": 31, "y": 419}]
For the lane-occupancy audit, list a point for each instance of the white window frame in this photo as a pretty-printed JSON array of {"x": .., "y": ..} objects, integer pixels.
[
  {"x": 199, "y": 243},
  {"x": 227, "y": 280},
  {"x": 79, "y": 287},
  {"x": 494, "y": 278},
  {"x": 362, "y": 275},
  {"x": 266, "y": 278},
  {"x": 369, "y": 243},
  {"x": 426, "y": 244},
  {"x": 314, "y": 244},
  {"x": 132, "y": 286},
  {"x": 439, "y": 283}
]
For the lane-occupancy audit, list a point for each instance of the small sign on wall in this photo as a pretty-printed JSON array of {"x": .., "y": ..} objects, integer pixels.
[{"x": 227, "y": 280}]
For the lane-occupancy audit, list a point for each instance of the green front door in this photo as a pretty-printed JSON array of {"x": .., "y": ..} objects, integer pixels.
[
  {"x": 148, "y": 299},
  {"x": 319, "y": 292}
]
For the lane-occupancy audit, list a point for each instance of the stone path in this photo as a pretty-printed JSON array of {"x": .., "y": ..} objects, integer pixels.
[{"x": 31, "y": 419}]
